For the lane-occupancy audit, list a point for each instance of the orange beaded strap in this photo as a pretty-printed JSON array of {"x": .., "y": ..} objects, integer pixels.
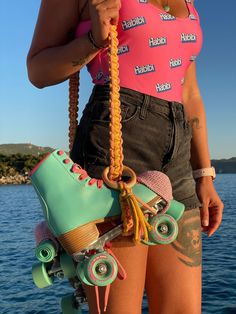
[
  {"x": 132, "y": 216},
  {"x": 116, "y": 149},
  {"x": 73, "y": 107}
]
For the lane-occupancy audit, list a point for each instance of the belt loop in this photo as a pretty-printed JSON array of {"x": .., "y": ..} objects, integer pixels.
[
  {"x": 144, "y": 106},
  {"x": 172, "y": 109}
]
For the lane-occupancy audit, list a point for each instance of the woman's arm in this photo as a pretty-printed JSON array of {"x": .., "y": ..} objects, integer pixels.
[
  {"x": 194, "y": 107},
  {"x": 212, "y": 207},
  {"x": 53, "y": 56}
]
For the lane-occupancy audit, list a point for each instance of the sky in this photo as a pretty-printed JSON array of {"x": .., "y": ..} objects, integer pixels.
[{"x": 40, "y": 116}]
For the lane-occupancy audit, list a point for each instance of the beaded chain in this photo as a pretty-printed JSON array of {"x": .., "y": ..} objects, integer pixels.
[
  {"x": 132, "y": 215},
  {"x": 116, "y": 151}
]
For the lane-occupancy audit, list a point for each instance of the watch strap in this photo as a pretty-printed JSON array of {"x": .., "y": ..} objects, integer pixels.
[{"x": 204, "y": 172}]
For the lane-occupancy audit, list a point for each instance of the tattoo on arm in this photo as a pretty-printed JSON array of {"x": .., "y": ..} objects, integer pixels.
[
  {"x": 188, "y": 243},
  {"x": 195, "y": 123},
  {"x": 81, "y": 61}
]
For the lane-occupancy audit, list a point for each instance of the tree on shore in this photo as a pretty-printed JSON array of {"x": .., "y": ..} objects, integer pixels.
[{"x": 11, "y": 165}]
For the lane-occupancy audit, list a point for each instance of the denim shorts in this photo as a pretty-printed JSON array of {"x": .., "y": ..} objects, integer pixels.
[{"x": 156, "y": 136}]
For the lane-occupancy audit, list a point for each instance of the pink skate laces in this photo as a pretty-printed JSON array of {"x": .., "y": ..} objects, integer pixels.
[
  {"x": 82, "y": 172},
  {"x": 83, "y": 175},
  {"x": 121, "y": 275}
]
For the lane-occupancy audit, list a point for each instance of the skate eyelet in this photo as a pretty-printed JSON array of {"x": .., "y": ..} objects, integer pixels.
[
  {"x": 60, "y": 152},
  {"x": 80, "y": 178},
  {"x": 66, "y": 161}
]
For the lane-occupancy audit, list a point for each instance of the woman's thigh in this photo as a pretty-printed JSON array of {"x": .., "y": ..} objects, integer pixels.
[
  {"x": 125, "y": 295},
  {"x": 173, "y": 280}
]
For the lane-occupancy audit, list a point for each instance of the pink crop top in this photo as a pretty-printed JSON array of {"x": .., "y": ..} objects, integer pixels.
[{"x": 155, "y": 49}]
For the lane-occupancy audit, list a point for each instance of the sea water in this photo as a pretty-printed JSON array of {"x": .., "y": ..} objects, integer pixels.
[{"x": 19, "y": 213}]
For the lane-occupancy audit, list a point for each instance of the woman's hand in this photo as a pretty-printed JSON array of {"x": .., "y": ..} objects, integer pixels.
[
  {"x": 103, "y": 13},
  {"x": 212, "y": 206}
]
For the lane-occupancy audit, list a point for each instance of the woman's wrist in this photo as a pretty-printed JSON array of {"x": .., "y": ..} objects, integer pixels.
[{"x": 95, "y": 44}]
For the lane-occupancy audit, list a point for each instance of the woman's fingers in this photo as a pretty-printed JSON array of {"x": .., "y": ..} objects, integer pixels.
[
  {"x": 204, "y": 210},
  {"x": 212, "y": 206},
  {"x": 211, "y": 217},
  {"x": 103, "y": 13},
  {"x": 106, "y": 8},
  {"x": 216, "y": 213}
]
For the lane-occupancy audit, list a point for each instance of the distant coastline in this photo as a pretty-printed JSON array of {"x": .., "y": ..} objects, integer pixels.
[
  {"x": 17, "y": 160},
  {"x": 16, "y": 179}
]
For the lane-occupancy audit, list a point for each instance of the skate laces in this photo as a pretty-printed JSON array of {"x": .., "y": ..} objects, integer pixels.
[
  {"x": 121, "y": 275},
  {"x": 132, "y": 215},
  {"x": 83, "y": 175}
]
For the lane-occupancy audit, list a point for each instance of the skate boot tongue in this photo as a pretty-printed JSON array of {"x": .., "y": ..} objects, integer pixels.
[{"x": 159, "y": 183}]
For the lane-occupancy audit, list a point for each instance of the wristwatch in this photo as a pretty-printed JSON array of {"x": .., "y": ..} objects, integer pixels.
[{"x": 204, "y": 172}]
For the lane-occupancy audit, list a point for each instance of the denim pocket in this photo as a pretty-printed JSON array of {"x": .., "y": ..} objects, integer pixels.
[
  {"x": 101, "y": 112},
  {"x": 131, "y": 111}
]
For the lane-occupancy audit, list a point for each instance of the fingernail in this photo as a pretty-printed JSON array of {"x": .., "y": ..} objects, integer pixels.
[{"x": 205, "y": 223}]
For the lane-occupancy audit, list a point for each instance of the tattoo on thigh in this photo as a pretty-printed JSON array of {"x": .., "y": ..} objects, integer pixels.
[{"x": 189, "y": 243}]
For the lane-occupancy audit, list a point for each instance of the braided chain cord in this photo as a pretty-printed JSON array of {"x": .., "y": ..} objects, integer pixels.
[
  {"x": 132, "y": 214},
  {"x": 116, "y": 150},
  {"x": 73, "y": 107}
]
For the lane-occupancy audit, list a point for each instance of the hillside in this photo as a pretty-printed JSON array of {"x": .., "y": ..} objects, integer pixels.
[
  {"x": 17, "y": 160},
  {"x": 225, "y": 165},
  {"x": 24, "y": 149}
]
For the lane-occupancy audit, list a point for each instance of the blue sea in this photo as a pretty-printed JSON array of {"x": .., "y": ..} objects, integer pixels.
[{"x": 19, "y": 213}]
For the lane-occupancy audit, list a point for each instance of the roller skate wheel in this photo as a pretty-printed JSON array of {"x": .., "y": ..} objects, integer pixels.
[
  {"x": 100, "y": 269},
  {"x": 68, "y": 305},
  {"x": 45, "y": 252},
  {"x": 40, "y": 276},
  {"x": 165, "y": 229},
  {"x": 176, "y": 209},
  {"x": 67, "y": 265},
  {"x": 81, "y": 275}
]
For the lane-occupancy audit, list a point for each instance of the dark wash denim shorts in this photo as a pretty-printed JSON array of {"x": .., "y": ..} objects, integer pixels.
[{"x": 156, "y": 136}]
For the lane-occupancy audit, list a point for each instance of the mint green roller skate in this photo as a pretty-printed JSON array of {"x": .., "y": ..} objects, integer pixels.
[{"x": 73, "y": 203}]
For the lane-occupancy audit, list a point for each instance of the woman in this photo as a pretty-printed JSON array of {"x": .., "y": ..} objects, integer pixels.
[{"x": 163, "y": 121}]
